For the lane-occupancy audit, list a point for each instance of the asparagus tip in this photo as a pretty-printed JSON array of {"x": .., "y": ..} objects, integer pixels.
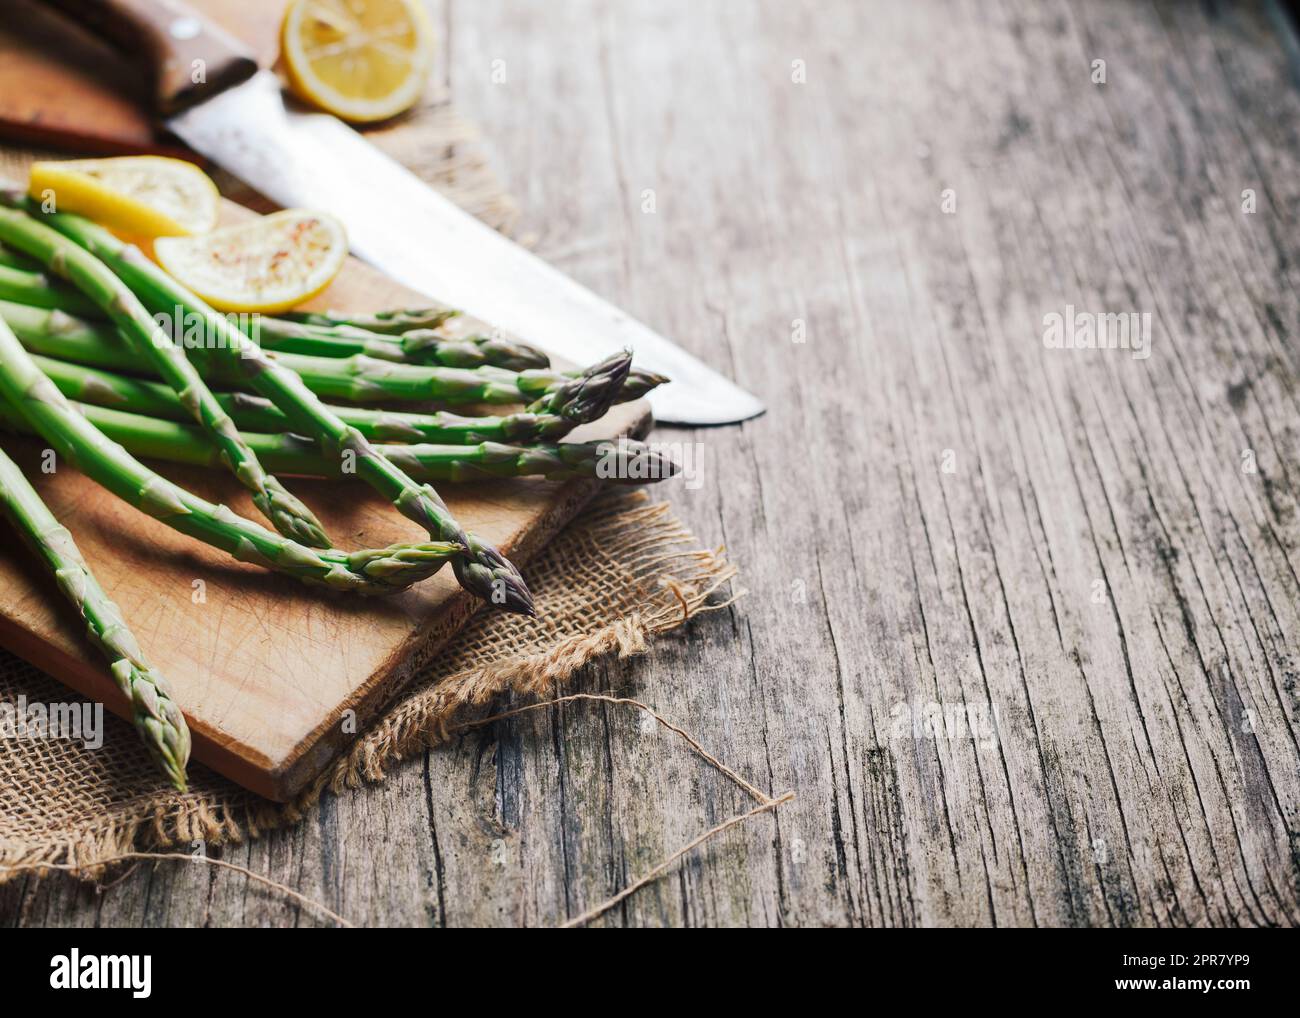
[
  {"x": 486, "y": 573},
  {"x": 177, "y": 779},
  {"x": 639, "y": 382},
  {"x": 290, "y": 516},
  {"x": 625, "y": 461},
  {"x": 156, "y": 717},
  {"x": 591, "y": 394},
  {"x": 646, "y": 463}
]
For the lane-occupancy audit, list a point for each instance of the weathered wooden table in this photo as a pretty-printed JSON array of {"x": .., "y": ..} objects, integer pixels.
[{"x": 868, "y": 213}]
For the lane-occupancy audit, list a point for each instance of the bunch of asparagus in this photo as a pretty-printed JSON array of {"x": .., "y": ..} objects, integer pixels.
[{"x": 86, "y": 365}]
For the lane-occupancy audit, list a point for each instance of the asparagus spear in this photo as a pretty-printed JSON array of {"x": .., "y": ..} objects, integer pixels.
[
  {"x": 55, "y": 333},
  {"x": 38, "y": 290},
  {"x": 409, "y": 337},
  {"x": 153, "y": 711},
  {"x": 48, "y": 413},
  {"x": 358, "y": 379},
  {"x": 479, "y": 567},
  {"x": 625, "y": 461},
  {"x": 148, "y": 340},
  {"x": 256, "y": 413},
  {"x": 418, "y": 346},
  {"x": 363, "y": 379},
  {"x": 390, "y": 322},
  {"x": 12, "y": 259}
]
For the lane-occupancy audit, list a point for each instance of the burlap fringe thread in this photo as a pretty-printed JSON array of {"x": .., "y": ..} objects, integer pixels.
[{"x": 669, "y": 586}]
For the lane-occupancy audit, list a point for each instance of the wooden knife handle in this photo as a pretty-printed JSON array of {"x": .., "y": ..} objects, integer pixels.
[{"x": 188, "y": 57}]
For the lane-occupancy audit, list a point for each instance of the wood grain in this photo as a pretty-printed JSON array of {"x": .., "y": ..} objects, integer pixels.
[{"x": 1145, "y": 770}]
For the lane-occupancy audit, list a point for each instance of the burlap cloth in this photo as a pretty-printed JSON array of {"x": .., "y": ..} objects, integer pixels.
[{"x": 621, "y": 573}]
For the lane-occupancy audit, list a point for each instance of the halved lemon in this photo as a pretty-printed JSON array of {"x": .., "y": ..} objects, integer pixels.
[
  {"x": 267, "y": 264},
  {"x": 143, "y": 196},
  {"x": 362, "y": 60}
]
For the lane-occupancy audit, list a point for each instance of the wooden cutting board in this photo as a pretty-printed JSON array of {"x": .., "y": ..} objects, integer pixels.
[
  {"x": 61, "y": 87},
  {"x": 266, "y": 669}
]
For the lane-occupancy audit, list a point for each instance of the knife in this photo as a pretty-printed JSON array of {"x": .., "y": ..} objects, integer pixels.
[{"x": 236, "y": 115}]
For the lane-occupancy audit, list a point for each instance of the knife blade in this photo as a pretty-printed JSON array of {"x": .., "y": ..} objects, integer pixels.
[
  {"x": 399, "y": 224},
  {"x": 394, "y": 220}
]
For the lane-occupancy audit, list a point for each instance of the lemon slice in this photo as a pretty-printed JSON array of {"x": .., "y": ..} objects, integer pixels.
[
  {"x": 143, "y": 196},
  {"x": 361, "y": 60},
  {"x": 268, "y": 264}
]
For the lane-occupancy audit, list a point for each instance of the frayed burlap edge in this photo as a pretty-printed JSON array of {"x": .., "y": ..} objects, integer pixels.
[{"x": 668, "y": 585}]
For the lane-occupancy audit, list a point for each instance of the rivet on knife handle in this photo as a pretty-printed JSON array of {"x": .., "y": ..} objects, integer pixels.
[{"x": 188, "y": 57}]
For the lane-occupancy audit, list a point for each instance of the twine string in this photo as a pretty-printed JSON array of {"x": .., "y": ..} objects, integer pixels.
[
  {"x": 766, "y": 803},
  {"x": 700, "y": 751},
  {"x": 658, "y": 871}
]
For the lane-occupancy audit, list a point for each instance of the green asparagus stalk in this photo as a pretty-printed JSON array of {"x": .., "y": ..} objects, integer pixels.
[
  {"x": 38, "y": 290},
  {"x": 409, "y": 337},
  {"x": 153, "y": 711},
  {"x": 149, "y": 341},
  {"x": 256, "y": 413},
  {"x": 389, "y": 322},
  {"x": 13, "y": 260},
  {"x": 55, "y": 333},
  {"x": 363, "y": 379},
  {"x": 419, "y": 346},
  {"x": 358, "y": 378},
  {"x": 479, "y": 567},
  {"x": 72, "y": 436},
  {"x": 402, "y": 348},
  {"x": 625, "y": 461}
]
